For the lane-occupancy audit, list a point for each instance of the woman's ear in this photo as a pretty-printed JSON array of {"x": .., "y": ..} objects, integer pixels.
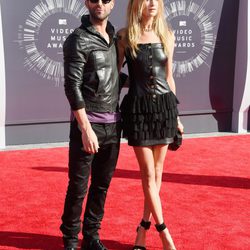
[{"x": 112, "y": 4}]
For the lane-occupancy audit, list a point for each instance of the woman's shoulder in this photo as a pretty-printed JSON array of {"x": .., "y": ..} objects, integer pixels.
[
  {"x": 121, "y": 37},
  {"x": 121, "y": 34}
]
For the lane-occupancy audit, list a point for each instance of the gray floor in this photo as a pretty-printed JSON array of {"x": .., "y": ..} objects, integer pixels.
[{"x": 65, "y": 144}]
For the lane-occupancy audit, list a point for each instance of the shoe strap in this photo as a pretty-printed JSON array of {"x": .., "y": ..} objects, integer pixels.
[
  {"x": 145, "y": 224},
  {"x": 139, "y": 248},
  {"x": 160, "y": 227}
]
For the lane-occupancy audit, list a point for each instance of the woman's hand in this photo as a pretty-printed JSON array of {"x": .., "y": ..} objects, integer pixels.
[{"x": 180, "y": 125}]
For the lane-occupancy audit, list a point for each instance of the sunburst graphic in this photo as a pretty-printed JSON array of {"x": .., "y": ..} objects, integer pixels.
[
  {"x": 38, "y": 58},
  {"x": 194, "y": 32}
]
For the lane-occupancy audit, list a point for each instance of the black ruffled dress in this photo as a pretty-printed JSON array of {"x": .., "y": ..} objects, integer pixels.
[{"x": 149, "y": 110}]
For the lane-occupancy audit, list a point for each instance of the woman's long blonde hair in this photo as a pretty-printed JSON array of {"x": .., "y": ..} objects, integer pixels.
[{"x": 134, "y": 28}]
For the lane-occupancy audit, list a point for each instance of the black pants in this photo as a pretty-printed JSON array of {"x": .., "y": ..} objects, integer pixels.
[{"x": 101, "y": 167}]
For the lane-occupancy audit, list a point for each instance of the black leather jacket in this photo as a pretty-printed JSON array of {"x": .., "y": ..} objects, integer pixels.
[{"x": 90, "y": 69}]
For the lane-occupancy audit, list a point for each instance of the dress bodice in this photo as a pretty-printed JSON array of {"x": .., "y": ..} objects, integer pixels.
[{"x": 147, "y": 72}]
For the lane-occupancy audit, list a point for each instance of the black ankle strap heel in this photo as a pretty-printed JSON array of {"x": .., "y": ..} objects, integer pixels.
[
  {"x": 160, "y": 227},
  {"x": 146, "y": 225}
]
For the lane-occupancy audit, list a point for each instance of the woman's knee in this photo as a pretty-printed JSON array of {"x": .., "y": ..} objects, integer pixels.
[
  {"x": 158, "y": 169},
  {"x": 148, "y": 178}
]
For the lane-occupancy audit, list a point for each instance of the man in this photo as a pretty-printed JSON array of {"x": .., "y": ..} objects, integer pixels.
[{"x": 92, "y": 88}]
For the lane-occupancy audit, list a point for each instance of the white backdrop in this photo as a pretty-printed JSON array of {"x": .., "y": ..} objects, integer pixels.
[{"x": 242, "y": 71}]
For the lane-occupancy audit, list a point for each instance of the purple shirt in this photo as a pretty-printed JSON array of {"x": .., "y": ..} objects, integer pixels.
[{"x": 96, "y": 117}]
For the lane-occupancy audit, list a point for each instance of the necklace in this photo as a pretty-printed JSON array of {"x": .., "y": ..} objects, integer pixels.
[{"x": 147, "y": 29}]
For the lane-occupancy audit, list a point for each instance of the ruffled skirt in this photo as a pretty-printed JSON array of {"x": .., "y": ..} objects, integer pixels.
[{"x": 149, "y": 120}]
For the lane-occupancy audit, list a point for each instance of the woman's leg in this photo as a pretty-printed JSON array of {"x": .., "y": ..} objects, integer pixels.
[
  {"x": 160, "y": 152},
  {"x": 151, "y": 161},
  {"x": 145, "y": 157}
]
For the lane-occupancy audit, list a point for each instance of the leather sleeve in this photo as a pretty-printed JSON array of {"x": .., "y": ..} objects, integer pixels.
[{"x": 74, "y": 61}]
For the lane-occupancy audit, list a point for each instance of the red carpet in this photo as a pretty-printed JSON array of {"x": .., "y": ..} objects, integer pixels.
[{"x": 205, "y": 193}]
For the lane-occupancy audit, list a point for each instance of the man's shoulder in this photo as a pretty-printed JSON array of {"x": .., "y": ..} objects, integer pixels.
[
  {"x": 78, "y": 35},
  {"x": 78, "y": 32},
  {"x": 76, "y": 40}
]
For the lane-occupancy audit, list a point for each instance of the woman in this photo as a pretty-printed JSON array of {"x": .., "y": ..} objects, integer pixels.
[{"x": 149, "y": 110}]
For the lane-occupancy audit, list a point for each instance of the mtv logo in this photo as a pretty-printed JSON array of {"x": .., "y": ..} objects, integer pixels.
[
  {"x": 62, "y": 21},
  {"x": 183, "y": 23}
]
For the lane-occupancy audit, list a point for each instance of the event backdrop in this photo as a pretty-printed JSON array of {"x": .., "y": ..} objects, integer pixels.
[{"x": 34, "y": 32}]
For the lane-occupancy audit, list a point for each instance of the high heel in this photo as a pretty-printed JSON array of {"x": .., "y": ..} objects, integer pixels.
[
  {"x": 146, "y": 226},
  {"x": 162, "y": 229}
]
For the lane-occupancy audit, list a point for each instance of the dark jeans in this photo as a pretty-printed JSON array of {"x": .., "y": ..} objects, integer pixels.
[{"x": 101, "y": 167}]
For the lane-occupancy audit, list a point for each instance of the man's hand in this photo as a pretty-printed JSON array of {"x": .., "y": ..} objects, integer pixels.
[
  {"x": 89, "y": 138},
  {"x": 90, "y": 141}
]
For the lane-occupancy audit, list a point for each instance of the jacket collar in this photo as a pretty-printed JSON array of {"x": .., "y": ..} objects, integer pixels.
[{"x": 86, "y": 24}]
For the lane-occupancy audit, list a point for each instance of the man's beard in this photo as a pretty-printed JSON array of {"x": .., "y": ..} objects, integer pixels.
[{"x": 98, "y": 18}]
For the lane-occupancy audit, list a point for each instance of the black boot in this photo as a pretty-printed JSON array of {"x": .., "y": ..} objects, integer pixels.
[
  {"x": 70, "y": 242},
  {"x": 94, "y": 244}
]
